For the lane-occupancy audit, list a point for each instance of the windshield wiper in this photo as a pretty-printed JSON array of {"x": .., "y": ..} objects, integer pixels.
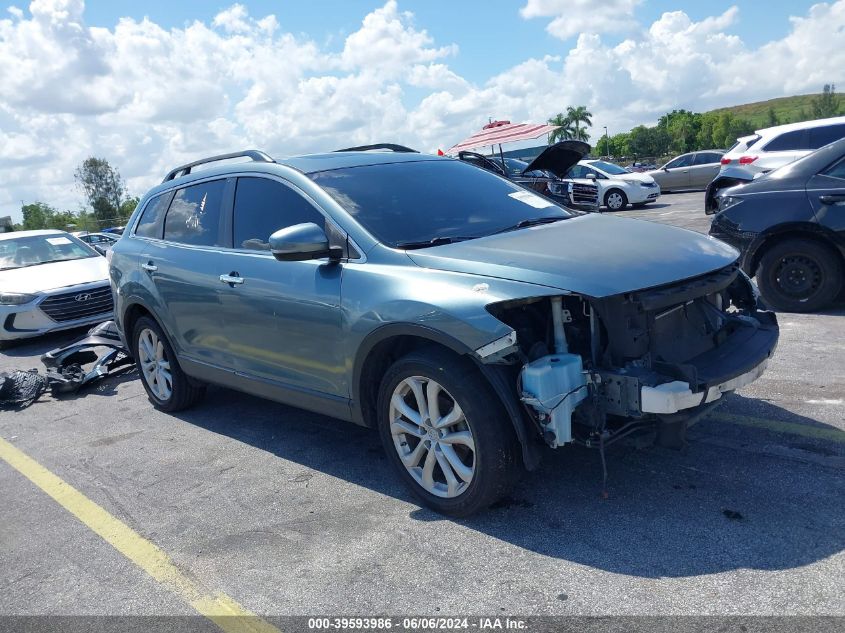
[
  {"x": 437, "y": 241},
  {"x": 531, "y": 222}
]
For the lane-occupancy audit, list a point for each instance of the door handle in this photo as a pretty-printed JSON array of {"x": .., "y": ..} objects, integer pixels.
[
  {"x": 149, "y": 267},
  {"x": 832, "y": 199},
  {"x": 232, "y": 279}
]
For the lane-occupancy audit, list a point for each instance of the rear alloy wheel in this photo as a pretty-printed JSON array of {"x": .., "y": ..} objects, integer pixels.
[
  {"x": 799, "y": 275},
  {"x": 615, "y": 200},
  {"x": 446, "y": 433},
  {"x": 167, "y": 386}
]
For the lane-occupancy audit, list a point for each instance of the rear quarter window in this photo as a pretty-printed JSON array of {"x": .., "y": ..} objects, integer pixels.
[
  {"x": 788, "y": 141},
  {"x": 821, "y": 136}
]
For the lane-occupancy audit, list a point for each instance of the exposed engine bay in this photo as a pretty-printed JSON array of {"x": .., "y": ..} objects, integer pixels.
[{"x": 594, "y": 370}]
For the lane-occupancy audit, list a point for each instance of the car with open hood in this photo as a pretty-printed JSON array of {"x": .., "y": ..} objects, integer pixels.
[
  {"x": 789, "y": 225},
  {"x": 546, "y": 174},
  {"x": 49, "y": 281},
  {"x": 474, "y": 323}
]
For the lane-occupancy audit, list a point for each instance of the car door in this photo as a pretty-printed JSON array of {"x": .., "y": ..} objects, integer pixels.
[
  {"x": 676, "y": 173},
  {"x": 783, "y": 149},
  {"x": 705, "y": 167},
  {"x": 282, "y": 319},
  {"x": 182, "y": 269},
  {"x": 826, "y": 192}
]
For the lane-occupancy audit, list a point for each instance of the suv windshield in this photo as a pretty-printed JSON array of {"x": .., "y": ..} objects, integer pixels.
[
  {"x": 41, "y": 249},
  {"x": 609, "y": 168},
  {"x": 432, "y": 201}
]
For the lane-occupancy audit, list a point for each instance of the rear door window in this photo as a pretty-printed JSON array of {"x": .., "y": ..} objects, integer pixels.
[
  {"x": 788, "y": 141},
  {"x": 707, "y": 158},
  {"x": 152, "y": 218},
  {"x": 194, "y": 214},
  {"x": 263, "y": 206},
  {"x": 821, "y": 136}
]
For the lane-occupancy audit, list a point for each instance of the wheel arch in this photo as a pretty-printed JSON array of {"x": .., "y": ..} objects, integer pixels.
[
  {"x": 390, "y": 342},
  {"x": 783, "y": 233}
]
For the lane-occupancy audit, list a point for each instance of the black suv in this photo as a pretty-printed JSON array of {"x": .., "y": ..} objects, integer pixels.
[{"x": 790, "y": 226}]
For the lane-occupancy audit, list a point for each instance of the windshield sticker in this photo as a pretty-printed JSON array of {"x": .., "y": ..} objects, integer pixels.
[
  {"x": 531, "y": 199},
  {"x": 57, "y": 241}
]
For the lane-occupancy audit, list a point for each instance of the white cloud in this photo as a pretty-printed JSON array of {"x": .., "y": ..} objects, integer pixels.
[
  {"x": 148, "y": 98},
  {"x": 573, "y": 17}
]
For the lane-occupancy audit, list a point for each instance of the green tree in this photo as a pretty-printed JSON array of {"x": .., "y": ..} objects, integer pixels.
[
  {"x": 772, "y": 118},
  {"x": 826, "y": 104},
  {"x": 104, "y": 189},
  {"x": 36, "y": 216},
  {"x": 126, "y": 209},
  {"x": 620, "y": 144},
  {"x": 576, "y": 116},
  {"x": 563, "y": 132}
]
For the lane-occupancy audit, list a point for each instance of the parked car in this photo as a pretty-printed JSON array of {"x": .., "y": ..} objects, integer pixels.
[
  {"x": 774, "y": 147},
  {"x": 49, "y": 281},
  {"x": 100, "y": 242},
  {"x": 790, "y": 227},
  {"x": 468, "y": 319},
  {"x": 639, "y": 167},
  {"x": 546, "y": 174},
  {"x": 692, "y": 171},
  {"x": 617, "y": 186}
]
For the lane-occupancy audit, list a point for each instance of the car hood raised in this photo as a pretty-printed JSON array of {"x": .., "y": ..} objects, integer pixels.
[
  {"x": 597, "y": 256},
  {"x": 54, "y": 275},
  {"x": 559, "y": 158}
]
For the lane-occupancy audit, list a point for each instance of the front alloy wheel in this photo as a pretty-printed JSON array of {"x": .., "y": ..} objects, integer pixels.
[
  {"x": 445, "y": 432},
  {"x": 431, "y": 436},
  {"x": 616, "y": 200}
]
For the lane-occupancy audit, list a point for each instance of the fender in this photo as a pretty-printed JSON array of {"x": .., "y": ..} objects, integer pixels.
[
  {"x": 497, "y": 375},
  {"x": 755, "y": 248}
]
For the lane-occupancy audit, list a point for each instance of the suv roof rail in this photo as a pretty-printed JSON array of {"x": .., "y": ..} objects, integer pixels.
[
  {"x": 391, "y": 146},
  {"x": 183, "y": 170}
]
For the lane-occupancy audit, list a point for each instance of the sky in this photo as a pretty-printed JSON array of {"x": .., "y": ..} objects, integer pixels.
[{"x": 149, "y": 85}]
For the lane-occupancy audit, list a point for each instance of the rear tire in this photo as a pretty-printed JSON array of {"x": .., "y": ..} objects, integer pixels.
[
  {"x": 615, "y": 200},
  {"x": 167, "y": 386},
  {"x": 799, "y": 275},
  {"x": 463, "y": 457}
]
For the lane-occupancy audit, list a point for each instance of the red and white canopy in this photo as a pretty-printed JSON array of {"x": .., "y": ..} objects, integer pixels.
[{"x": 499, "y": 132}]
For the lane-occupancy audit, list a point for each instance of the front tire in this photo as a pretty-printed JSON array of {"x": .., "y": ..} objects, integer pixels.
[
  {"x": 799, "y": 275},
  {"x": 446, "y": 433},
  {"x": 616, "y": 200},
  {"x": 167, "y": 386}
]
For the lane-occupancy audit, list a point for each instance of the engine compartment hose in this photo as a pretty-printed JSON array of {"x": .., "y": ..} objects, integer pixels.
[{"x": 557, "y": 320}]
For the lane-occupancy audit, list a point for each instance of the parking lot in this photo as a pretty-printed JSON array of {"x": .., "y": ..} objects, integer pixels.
[{"x": 290, "y": 513}]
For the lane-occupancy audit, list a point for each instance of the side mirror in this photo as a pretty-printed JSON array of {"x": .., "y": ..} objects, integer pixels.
[
  {"x": 302, "y": 242},
  {"x": 592, "y": 176},
  {"x": 665, "y": 168}
]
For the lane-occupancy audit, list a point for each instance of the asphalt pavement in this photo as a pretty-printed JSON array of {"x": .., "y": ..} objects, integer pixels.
[{"x": 278, "y": 511}]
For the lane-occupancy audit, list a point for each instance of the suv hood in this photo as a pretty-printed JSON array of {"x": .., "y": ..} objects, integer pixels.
[
  {"x": 55, "y": 275},
  {"x": 592, "y": 255},
  {"x": 559, "y": 158}
]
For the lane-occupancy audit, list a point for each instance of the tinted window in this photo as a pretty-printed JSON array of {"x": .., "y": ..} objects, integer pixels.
[
  {"x": 837, "y": 170},
  {"x": 194, "y": 214},
  {"x": 796, "y": 139},
  {"x": 706, "y": 158},
  {"x": 263, "y": 206},
  {"x": 152, "y": 217},
  {"x": 680, "y": 161},
  {"x": 577, "y": 171},
  {"x": 427, "y": 199},
  {"x": 821, "y": 136}
]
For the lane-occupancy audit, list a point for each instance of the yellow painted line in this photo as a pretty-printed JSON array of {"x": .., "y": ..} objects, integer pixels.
[
  {"x": 828, "y": 433},
  {"x": 225, "y": 612}
]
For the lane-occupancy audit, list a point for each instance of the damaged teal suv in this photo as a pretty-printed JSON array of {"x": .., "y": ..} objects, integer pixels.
[{"x": 473, "y": 322}]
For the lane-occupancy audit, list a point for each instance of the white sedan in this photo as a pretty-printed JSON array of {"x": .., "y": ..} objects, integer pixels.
[
  {"x": 50, "y": 280},
  {"x": 617, "y": 186}
]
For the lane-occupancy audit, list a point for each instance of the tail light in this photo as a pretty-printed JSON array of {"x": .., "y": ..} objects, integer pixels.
[
  {"x": 725, "y": 161},
  {"x": 747, "y": 160}
]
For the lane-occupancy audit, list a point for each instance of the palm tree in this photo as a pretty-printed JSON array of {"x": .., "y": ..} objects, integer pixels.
[
  {"x": 576, "y": 116},
  {"x": 564, "y": 131}
]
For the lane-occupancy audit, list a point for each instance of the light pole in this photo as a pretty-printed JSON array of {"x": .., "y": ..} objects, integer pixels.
[{"x": 606, "y": 143}]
